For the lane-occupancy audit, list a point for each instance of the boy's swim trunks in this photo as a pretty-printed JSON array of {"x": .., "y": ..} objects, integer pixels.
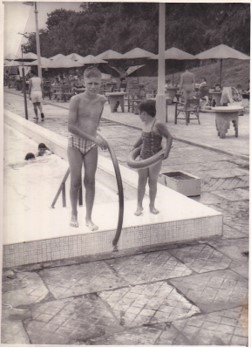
[{"x": 83, "y": 145}]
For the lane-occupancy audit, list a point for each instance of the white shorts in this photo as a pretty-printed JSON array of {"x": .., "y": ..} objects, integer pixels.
[{"x": 36, "y": 96}]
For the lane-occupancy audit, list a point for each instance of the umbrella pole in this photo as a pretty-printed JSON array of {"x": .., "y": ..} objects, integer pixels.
[
  {"x": 160, "y": 98},
  {"x": 221, "y": 72}
]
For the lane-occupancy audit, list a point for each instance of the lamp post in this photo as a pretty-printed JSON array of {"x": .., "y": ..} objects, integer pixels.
[
  {"x": 160, "y": 98},
  {"x": 37, "y": 36},
  {"x": 37, "y": 41}
]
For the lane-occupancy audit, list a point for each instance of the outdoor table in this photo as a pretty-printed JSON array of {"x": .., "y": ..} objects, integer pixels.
[
  {"x": 115, "y": 99},
  {"x": 223, "y": 116},
  {"x": 171, "y": 92},
  {"x": 215, "y": 95}
]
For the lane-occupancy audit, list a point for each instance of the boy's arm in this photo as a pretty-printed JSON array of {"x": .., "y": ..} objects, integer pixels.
[
  {"x": 73, "y": 116},
  {"x": 162, "y": 129}
]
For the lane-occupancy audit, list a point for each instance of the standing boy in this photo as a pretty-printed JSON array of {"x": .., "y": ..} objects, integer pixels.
[
  {"x": 85, "y": 111},
  {"x": 35, "y": 93},
  {"x": 187, "y": 85}
]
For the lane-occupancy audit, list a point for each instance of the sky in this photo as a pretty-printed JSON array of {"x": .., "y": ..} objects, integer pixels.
[{"x": 19, "y": 17}]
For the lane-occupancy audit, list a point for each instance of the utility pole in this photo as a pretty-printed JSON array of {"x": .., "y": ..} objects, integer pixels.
[
  {"x": 160, "y": 98},
  {"x": 24, "y": 84}
]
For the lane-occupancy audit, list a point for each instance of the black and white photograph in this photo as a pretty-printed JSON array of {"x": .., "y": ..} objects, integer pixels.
[{"x": 125, "y": 167}]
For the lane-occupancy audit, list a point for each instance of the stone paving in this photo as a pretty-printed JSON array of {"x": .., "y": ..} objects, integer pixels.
[{"x": 191, "y": 294}]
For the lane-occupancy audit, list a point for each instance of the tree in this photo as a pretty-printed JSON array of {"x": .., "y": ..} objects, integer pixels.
[{"x": 122, "y": 26}]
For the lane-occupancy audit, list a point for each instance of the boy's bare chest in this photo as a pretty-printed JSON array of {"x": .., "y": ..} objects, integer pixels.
[{"x": 91, "y": 109}]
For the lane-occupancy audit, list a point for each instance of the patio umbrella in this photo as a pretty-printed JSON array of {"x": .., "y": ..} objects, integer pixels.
[
  {"x": 176, "y": 56},
  {"x": 150, "y": 68},
  {"x": 11, "y": 63},
  {"x": 75, "y": 56},
  {"x": 222, "y": 52},
  {"x": 30, "y": 55},
  {"x": 64, "y": 62},
  {"x": 110, "y": 55},
  {"x": 45, "y": 63},
  {"x": 136, "y": 56},
  {"x": 137, "y": 53},
  {"x": 57, "y": 56},
  {"x": 90, "y": 60}
]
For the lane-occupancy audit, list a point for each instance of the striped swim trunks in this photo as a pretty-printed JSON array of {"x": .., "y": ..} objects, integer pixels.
[{"x": 83, "y": 145}]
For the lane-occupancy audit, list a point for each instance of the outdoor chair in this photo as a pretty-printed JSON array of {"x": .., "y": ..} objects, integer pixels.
[
  {"x": 67, "y": 92},
  {"x": 187, "y": 111},
  {"x": 57, "y": 92},
  {"x": 47, "y": 89}
]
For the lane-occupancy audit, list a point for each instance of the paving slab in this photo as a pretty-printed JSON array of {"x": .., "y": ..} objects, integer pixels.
[
  {"x": 213, "y": 291},
  {"x": 71, "y": 321},
  {"x": 13, "y": 333},
  {"x": 233, "y": 249},
  {"x": 27, "y": 288},
  {"x": 147, "y": 304},
  {"x": 81, "y": 279},
  {"x": 232, "y": 233},
  {"x": 153, "y": 266},
  {"x": 201, "y": 258},
  {"x": 227, "y": 327},
  {"x": 236, "y": 194},
  {"x": 135, "y": 336}
]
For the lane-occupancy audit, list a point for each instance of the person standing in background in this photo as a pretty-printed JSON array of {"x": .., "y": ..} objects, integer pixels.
[
  {"x": 35, "y": 93},
  {"x": 187, "y": 85}
]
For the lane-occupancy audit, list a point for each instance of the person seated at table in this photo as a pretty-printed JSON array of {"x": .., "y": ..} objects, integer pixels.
[
  {"x": 203, "y": 83},
  {"x": 123, "y": 84},
  {"x": 237, "y": 93},
  {"x": 78, "y": 86},
  {"x": 168, "y": 84},
  {"x": 141, "y": 91},
  {"x": 203, "y": 93},
  {"x": 217, "y": 87},
  {"x": 226, "y": 96}
]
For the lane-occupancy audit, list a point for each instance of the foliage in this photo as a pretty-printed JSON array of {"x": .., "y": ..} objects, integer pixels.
[{"x": 122, "y": 26}]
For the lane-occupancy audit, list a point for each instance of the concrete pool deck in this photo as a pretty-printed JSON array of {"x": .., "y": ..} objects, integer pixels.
[{"x": 45, "y": 234}]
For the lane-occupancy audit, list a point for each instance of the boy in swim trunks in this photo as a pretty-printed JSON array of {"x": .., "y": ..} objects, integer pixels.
[
  {"x": 35, "y": 93},
  {"x": 150, "y": 141},
  {"x": 85, "y": 111}
]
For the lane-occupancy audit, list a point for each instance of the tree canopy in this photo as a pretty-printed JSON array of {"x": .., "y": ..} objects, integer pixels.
[{"x": 98, "y": 26}]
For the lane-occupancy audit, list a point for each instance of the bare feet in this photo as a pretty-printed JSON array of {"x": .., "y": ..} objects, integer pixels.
[
  {"x": 74, "y": 221},
  {"x": 91, "y": 225},
  {"x": 153, "y": 210},
  {"x": 139, "y": 211}
]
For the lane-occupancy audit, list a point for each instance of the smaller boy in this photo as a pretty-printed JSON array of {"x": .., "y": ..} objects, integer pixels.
[{"x": 153, "y": 132}]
